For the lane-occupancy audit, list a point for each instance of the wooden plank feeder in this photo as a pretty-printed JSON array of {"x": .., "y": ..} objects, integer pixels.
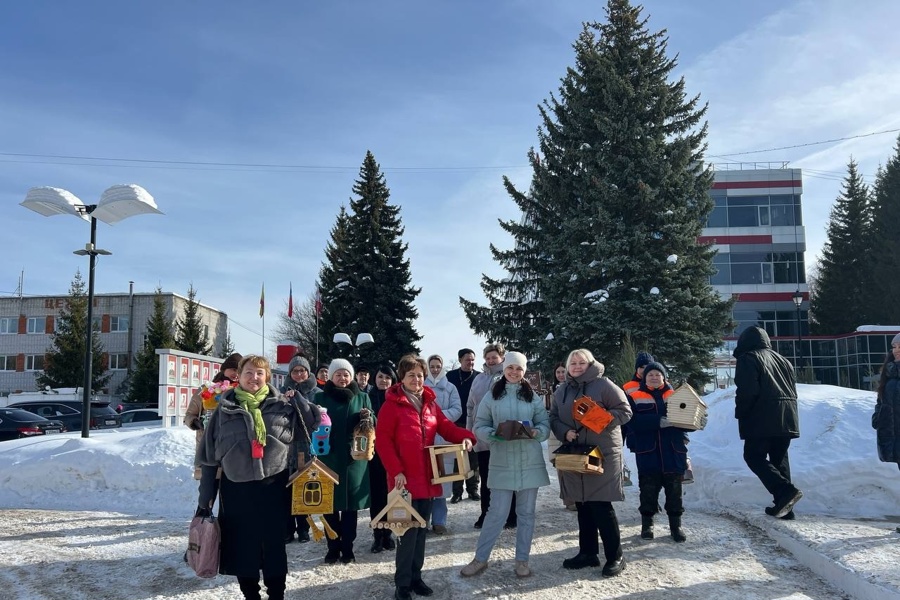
[
  {"x": 685, "y": 408},
  {"x": 579, "y": 458},
  {"x": 398, "y": 515},
  {"x": 438, "y": 468}
]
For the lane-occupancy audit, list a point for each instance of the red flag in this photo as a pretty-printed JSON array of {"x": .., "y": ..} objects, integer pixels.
[
  {"x": 318, "y": 302},
  {"x": 290, "y": 301},
  {"x": 262, "y": 301}
]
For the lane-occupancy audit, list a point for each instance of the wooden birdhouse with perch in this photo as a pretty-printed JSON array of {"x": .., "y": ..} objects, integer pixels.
[
  {"x": 685, "y": 408},
  {"x": 313, "y": 491},
  {"x": 398, "y": 515},
  {"x": 362, "y": 445},
  {"x": 579, "y": 458},
  {"x": 438, "y": 466}
]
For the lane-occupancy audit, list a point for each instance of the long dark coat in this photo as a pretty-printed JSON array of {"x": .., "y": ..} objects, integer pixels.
[
  {"x": 886, "y": 419},
  {"x": 765, "y": 403},
  {"x": 344, "y": 404}
]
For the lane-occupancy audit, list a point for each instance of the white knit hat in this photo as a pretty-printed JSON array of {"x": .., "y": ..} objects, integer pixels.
[
  {"x": 896, "y": 339},
  {"x": 515, "y": 358},
  {"x": 338, "y": 364}
]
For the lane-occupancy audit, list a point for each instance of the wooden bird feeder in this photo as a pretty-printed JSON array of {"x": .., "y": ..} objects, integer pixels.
[
  {"x": 313, "y": 488},
  {"x": 579, "y": 458},
  {"x": 398, "y": 515},
  {"x": 685, "y": 408},
  {"x": 438, "y": 469}
]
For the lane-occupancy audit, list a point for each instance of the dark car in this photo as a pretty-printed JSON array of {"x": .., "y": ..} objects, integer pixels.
[
  {"x": 141, "y": 417},
  {"x": 16, "y": 423},
  {"x": 69, "y": 412}
]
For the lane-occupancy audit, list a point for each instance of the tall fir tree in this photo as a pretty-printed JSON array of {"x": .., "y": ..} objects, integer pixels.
[
  {"x": 145, "y": 376},
  {"x": 840, "y": 303},
  {"x": 333, "y": 287},
  {"x": 64, "y": 360},
  {"x": 607, "y": 243},
  {"x": 190, "y": 335},
  {"x": 885, "y": 237},
  {"x": 370, "y": 256},
  {"x": 227, "y": 345}
]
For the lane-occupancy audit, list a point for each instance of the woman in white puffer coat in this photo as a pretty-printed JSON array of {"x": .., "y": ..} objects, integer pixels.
[{"x": 447, "y": 397}]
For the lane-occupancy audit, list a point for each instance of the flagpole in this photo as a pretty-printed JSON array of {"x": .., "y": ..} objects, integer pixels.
[{"x": 262, "y": 315}]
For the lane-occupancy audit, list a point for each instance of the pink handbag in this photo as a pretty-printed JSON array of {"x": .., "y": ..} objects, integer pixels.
[{"x": 203, "y": 546}]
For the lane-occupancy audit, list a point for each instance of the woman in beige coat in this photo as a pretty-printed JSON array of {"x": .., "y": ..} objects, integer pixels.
[
  {"x": 593, "y": 494},
  {"x": 192, "y": 415}
]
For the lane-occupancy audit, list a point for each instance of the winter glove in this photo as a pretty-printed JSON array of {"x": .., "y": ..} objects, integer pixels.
[
  {"x": 197, "y": 424},
  {"x": 203, "y": 512},
  {"x": 664, "y": 422}
]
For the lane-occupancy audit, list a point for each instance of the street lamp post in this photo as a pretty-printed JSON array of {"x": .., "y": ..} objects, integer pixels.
[
  {"x": 361, "y": 340},
  {"x": 116, "y": 203},
  {"x": 797, "y": 297}
]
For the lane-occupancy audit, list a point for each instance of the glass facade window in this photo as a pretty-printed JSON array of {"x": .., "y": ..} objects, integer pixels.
[
  {"x": 118, "y": 323},
  {"x": 9, "y": 325},
  {"x": 118, "y": 362},
  {"x": 36, "y": 325},
  {"x": 34, "y": 362},
  {"x": 781, "y": 210},
  {"x": 7, "y": 363}
]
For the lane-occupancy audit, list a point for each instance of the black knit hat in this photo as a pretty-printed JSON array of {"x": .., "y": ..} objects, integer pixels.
[
  {"x": 655, "y": 366},
  {"x": 643, "y": 359},
  {"x": 232, "y": 362}
]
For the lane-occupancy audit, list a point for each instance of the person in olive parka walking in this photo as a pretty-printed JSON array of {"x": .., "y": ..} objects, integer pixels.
[{"x": 765, "y": 406}]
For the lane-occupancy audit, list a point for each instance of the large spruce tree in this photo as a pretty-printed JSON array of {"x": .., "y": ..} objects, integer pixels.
[
  {"x": 190, "y": 335},
  {"x": 366, "y": 282},
  {"x": 840, "y": 302},
  {"x": 64, "y": 361},
  {"x": 145, "y": 376},
  {"x": 885, "y": 238},
  {"x": 607, "y": 243}
]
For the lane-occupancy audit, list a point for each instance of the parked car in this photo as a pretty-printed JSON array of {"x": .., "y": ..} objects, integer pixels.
[
  {"x": 102, "y": 416},
  {"x": 16, "y": 423},
  {"x": 141, "y": 417}
]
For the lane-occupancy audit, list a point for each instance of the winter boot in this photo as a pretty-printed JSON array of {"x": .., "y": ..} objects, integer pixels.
[
  {"x": 675, "y": 528},
  {"x": 646, "y": 527}
]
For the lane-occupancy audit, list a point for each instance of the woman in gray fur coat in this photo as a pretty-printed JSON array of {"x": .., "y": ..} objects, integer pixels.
[{"x": 250, "y": 437}]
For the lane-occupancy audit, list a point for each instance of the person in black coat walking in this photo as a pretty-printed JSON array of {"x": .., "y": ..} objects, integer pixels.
[
  {"x": 886, "y": 420},
  {"x": 765, "y": 406}
]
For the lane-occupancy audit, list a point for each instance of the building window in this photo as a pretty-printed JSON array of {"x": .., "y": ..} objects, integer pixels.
[
  {"x": 7, "y": 363},
  {"x": 34, "y": 362},
  {"x": 36, "y": 325},
  {"x": 9, "y": 325},
  {"x": 118, "y": 362},
  {"x": 206, "y": 331},
  {"x": 96, "y": 323},
  {"x": 118, "y": 324}
]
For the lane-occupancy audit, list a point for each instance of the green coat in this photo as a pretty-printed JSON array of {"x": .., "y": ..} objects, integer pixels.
[{"x": 344, "y": 404}]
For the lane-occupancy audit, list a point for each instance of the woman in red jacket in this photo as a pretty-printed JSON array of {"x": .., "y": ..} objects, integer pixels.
[{"x": 407, "y": 424}]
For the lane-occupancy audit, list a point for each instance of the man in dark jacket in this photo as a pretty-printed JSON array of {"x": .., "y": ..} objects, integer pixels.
[
  {"x": 765, "y": 406},
  {"x": 462, "y": 378}
]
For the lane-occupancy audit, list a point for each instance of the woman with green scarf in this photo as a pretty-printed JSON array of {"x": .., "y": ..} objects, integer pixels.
[{"x": 250, "y": 438}]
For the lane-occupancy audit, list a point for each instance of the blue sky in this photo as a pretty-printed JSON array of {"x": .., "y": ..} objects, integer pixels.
[{"x": 443, "y": 93}]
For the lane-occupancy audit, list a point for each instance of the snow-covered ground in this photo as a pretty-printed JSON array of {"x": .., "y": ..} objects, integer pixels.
[{"x": 107, "y": 518}]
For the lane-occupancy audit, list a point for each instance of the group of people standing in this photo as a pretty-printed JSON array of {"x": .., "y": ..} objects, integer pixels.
[{"x": 250, "y": 444}]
